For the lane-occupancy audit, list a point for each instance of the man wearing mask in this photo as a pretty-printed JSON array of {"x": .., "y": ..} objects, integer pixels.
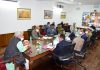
[{"x": 15, "y": 48}]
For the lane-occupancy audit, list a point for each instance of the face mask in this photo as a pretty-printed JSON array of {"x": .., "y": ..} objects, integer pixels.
[
  {"x": 60, "y": 39},
  {"x": 80, "y": 33},
  {"x": 86, "y": 32},
  {"x": 37, "y": 30},
  {"x": 22, "y": 39},
  {"x": 93, "y": 14}
]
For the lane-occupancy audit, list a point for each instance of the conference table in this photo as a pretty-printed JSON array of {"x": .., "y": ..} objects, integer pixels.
[{"x": 38, "y": 50}]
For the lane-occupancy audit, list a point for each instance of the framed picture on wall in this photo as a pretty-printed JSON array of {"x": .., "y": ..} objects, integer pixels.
[
  {"x": 23, "y": 13},
  {"x": 48, "y": 14},
  {"x": 86, "y": 18},
  {"x": 63, "y": 15}
]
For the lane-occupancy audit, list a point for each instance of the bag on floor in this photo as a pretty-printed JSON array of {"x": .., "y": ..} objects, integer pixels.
[{"x": 2, "y": 66}]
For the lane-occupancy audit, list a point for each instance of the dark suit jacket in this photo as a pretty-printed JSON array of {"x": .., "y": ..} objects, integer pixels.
[
  {"x": 84, "y": 36},
  {"x": 12, "y": 51},
  {"x": 60, "y": 47}
]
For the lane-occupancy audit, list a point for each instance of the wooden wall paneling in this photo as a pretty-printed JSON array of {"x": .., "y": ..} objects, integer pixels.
[
  {"x": 4, "y": 38},
  {"x": 26, "y": 35},
  {"x": 8, "y": 37}
]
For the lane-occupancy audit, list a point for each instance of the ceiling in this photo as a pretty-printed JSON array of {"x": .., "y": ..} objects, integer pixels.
[{"x": 83, "y": 2}]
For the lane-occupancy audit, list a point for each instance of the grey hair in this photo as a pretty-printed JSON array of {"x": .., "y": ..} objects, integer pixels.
[{"x": 18, "y": 33}]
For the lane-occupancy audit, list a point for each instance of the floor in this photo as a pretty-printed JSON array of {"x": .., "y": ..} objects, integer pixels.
[{"x": 91, "y": 62}]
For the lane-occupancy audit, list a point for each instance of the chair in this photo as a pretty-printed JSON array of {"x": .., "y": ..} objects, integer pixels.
[
  {"x": 66, "y": 57},
  {"x": 82, "y": 53},
  {"x": 72, "y": 36}
]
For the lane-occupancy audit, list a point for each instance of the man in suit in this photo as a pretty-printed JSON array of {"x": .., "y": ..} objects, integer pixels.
[{"x": 62, "y": 43}]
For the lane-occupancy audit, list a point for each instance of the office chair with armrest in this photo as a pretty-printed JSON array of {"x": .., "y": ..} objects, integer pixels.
[
  {"x": 82, "y": 53},
  {"x": 66, "y": 57}
]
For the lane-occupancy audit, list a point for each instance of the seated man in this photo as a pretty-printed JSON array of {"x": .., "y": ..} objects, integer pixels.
[
  {"x": 83, "y": 35},
  {"x": 88, "y": 33},
  {"x": 62, "y": 43},
  {"x": 15, "y": 48},
  {"x": 79, "y": 43},
  {"x": 51, "y": 31},
  {"x": 59, "y": 29}
]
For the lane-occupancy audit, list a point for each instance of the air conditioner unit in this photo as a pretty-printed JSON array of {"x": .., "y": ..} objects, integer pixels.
[{"x": 60, "y": 6}]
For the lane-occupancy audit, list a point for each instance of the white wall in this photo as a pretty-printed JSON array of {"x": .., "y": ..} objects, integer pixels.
[
  {"x": 75, "y": 13},
  {"x": 8, "y": 15}
]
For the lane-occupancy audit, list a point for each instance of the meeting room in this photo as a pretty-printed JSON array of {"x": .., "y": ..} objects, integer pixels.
[{"x": 49, "y": 34}]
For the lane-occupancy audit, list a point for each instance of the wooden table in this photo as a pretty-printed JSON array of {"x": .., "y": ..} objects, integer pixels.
[
  {"x": 38, "y": 52},
  {"x": 33, "y": 58}
]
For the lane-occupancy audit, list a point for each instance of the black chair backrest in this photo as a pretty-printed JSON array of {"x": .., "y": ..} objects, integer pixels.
[
  {"x": 69, "y": 49},
  {"x": 94, "y": 35},
  {"x": 72, "y": 36},
  {"x": 85, "y": 46},
  {"x": 66, "y": 52}
]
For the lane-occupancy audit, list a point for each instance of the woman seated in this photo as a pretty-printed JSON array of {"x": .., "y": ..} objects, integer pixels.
[
  {"x": 42, "y": 30},
  {"x": 35, "y": 33}
]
